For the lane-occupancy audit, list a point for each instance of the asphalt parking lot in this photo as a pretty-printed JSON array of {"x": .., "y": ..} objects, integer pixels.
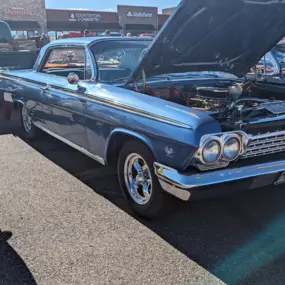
[{"x": 64, "y": 221}]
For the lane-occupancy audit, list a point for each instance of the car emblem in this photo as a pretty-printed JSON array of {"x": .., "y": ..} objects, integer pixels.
[{"x": 169, "y": 151}]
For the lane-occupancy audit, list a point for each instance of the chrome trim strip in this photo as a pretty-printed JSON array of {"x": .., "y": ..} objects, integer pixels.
[
  {"x": 268, "y": 135},
  {"x": 82, "y": 150},
  {"x": 106, "y": 102},
  {"x": 178, "y": 184},
  {"x": 261, "y": 153}
]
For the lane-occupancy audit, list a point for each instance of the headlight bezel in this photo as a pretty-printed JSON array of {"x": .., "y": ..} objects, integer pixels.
[
  {"x": 205, "y": 143},
  {"x": 198, "y": 160},
  {"x": 225, "y": 140}
]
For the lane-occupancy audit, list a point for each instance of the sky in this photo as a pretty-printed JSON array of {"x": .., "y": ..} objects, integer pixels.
[{"x": 108, "y": 5}]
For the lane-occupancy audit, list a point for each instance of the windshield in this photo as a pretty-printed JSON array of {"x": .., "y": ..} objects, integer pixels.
[
  {"x": 5, "y": 33},
  {"x": 118, "y": 59}
]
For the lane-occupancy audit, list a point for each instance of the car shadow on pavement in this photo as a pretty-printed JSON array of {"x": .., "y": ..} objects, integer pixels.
[
  {"x": 240, "y": 238},
  {"x": 13, "y": 270}
]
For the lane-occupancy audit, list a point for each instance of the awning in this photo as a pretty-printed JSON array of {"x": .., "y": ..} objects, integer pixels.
[
  {"x": 59, "y": 26},
  {"x": 140, "y": 27},
  {"x": 23, "y": 25}
]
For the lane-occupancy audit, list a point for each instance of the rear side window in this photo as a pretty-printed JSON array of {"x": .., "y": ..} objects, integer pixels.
[
  {"x": 62, "y": 61},
  {"x": 5, "y": 33},
  {"x": 61, "y": 58}
]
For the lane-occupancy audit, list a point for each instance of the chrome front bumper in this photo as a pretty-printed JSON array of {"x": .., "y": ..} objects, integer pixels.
[{"x": 180, "y": 185}]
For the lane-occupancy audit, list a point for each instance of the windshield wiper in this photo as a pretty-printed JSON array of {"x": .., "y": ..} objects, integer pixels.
[
  {"x": 190, "y": 74},
  {"x": 171, "y": 76},
  {"x": 122, "y": 79}
]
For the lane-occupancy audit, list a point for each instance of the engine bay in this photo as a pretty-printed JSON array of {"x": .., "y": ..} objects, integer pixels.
[{"x": 236, "y": 106}]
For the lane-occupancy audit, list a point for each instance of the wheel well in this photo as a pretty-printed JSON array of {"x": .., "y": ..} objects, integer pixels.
[{"x": 115, "y": 144}]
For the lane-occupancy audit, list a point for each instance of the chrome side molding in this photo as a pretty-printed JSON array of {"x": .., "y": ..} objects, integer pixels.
[{"x": 83, "y": 150}]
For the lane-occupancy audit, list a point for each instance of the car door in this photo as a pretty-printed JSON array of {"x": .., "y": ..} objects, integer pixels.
[{"x": 63, "y": 103}]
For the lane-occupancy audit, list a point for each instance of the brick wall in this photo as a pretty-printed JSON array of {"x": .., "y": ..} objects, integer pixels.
[
  {"x": 24, "y": 10},
  {"x": 168, "y": 11}
]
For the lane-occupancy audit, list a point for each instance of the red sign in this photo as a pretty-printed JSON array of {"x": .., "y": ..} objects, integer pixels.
[{"x": 18, "y": 12}]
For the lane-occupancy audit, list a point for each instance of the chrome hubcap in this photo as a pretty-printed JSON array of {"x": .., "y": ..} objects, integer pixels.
[
  {"x": 138, "y": 179},
  {"x": 27, "y": 121}
]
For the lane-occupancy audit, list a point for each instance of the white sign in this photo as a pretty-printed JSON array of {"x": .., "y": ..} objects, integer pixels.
[
  {"x": 132, "y": 14},
  {"x": 8, "y": 97},
  {"x": 84, "y": 17}
]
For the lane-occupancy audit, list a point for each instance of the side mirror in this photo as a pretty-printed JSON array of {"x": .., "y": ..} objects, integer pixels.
[{"x": 73, "y": 78}]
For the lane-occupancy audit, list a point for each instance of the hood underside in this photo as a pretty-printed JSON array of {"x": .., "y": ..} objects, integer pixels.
[{"x": 215, "y": 35}]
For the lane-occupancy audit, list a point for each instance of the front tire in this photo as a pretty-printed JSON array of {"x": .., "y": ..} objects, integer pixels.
[
  {"x": 29, "y": 131},
  {"x": 138, "y": 181}
]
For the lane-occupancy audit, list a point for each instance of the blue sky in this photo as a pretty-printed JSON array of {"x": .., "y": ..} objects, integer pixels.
[{"x": 108, "y": 4}]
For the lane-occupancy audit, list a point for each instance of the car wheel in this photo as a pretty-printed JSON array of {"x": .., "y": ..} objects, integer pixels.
[
  {"x": 138, "y": 181},
  {"x": 28, "y": 129}
]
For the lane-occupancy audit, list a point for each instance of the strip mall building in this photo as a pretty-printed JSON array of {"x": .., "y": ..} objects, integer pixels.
[{"x": 29, "y": 17}]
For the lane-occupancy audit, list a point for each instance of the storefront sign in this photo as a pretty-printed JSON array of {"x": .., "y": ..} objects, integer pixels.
[
  {"x": 140, "y": 15},
  {"x": 134, "y": 14},
  {"x": 84, "y": 17},
  {"x": 18, "y": 12}
]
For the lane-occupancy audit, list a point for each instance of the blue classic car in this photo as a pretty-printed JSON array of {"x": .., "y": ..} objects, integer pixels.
[{"x": 173, "y": 114}]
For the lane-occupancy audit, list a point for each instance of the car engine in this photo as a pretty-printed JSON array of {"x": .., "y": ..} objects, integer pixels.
[{"x": 234, "y": 106}]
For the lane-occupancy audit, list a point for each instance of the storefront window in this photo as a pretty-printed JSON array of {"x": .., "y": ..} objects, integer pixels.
[
  {"x": 52, "y": 35},
  {"x": 31, "y": 34},
  {"x": 23, "y": 35}
]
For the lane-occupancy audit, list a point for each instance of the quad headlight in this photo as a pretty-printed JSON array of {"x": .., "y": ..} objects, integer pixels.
[
  {"x": 211, "y": 151},
  {"x": 218, "y": 150},
  {"x": 231, "y": 148}
]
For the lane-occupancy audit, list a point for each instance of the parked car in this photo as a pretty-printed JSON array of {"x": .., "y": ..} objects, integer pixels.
[
  {"x": 5, "y": 37},
  {"x": 267, "y": 65},
  {"x": 173, "y": 114},
  {"x": 112, "y": 34},
  {"x": 74, "y": 35}
]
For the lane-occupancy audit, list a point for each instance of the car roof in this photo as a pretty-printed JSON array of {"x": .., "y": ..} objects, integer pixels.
[{"x": 91, "y": 40}]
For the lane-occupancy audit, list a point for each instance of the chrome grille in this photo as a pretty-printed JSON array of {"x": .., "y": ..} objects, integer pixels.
[{"x": 265, "y": 144}]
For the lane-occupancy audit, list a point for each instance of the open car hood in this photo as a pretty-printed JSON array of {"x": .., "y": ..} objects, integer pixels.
[{"x": 214, "y": 35}]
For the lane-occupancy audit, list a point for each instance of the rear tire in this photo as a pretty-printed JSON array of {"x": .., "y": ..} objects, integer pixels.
[
  {"x": 29, "y": 131},
  {"x": 138, "y": 181}
]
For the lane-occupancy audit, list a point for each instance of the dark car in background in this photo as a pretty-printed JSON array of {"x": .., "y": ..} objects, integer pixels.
[
  {"x": 5, "y": 37},
  {"x": 15, "y": 53}
]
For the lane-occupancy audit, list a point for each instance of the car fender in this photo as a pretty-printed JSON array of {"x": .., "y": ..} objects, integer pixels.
[{"x": 121, "y": 131}]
